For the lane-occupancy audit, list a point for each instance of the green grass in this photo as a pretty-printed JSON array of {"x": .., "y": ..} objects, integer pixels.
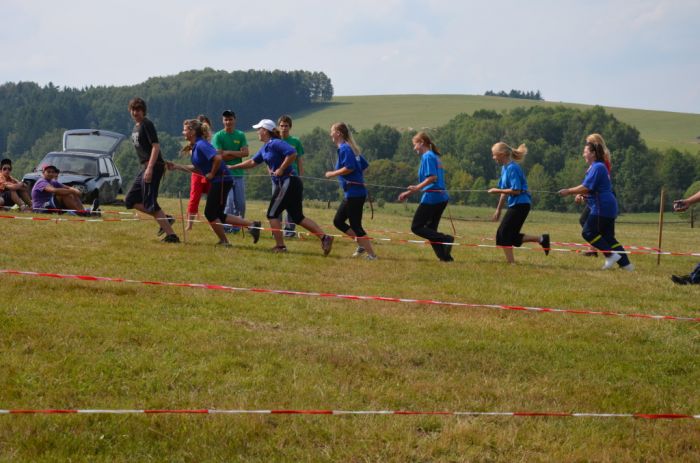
[
  {"x": 660, "y": 129},
  {"x": 78, "y": 344}
]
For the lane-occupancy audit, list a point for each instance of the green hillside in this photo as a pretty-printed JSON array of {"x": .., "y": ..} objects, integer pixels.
[{"x": 660, "y": 129}]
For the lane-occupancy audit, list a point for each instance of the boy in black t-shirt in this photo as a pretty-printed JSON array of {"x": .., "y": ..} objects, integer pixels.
[{"x": 143, "y": 195}]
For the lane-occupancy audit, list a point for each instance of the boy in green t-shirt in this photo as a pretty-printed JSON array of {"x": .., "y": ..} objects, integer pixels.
[{"x": 233, "y": 147}]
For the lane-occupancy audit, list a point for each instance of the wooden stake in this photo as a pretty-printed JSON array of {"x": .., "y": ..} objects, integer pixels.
[
  {"x": 182, "y": 214},
  {"x": 661, "y": 224}
]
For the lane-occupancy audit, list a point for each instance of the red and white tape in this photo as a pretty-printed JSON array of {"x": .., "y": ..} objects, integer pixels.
[
  {"x": 647, "y": 416},
  {"x": 355, "y": 297}
]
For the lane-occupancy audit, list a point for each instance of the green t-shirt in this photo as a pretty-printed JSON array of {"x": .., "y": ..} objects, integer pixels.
[
  {"x": 296, "y": 143},
  {"x": 233, "y": 141}
]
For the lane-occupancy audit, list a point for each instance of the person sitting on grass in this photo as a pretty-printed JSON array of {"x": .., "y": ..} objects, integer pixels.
[
  {"x": 693, "y": 278},
  {"x": 50, "y": 195},
  {"x": 13, "y": 193}
]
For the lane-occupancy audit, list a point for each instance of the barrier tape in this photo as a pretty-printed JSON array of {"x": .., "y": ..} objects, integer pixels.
[
  {"x": 208, "y": 411},
  {"x": 355, "y": 297}
]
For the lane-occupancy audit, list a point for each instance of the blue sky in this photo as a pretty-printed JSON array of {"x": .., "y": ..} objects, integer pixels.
[{"x": 626, "y": 53}]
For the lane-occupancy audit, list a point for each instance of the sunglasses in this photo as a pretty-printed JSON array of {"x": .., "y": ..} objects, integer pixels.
[{"x": 9, "y": 169}]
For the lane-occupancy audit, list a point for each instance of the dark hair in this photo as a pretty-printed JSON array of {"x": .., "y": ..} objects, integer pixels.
[
  {"x": 6, "y": 162},
  {"x": 228, "y": 113},
  {"x": 285, "y": 118},
  {"x": 137, "y": 103},
  {"x": 275, "y": 133}
]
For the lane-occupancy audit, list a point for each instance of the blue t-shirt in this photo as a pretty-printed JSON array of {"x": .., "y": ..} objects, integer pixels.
[
  {"x": 436, "y": 192},
  {"x": 512, "y": 177},
  {"x": 600, "y": 198},
  {"x": 353, "y": 184},
  {"x": 203, "y": 155},
  {"x": 273, "y": 153}
]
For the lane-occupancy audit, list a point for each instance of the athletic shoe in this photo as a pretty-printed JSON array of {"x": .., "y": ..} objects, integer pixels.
[
  {"x": 15, "y": 207},
  {"x": 590, "y": 254},
  {"x": 255, "y": 231},
  {"x": 171, "y": 220},
  {"x": 223, "y": 244},
  {"x": 371, "y": 257},
  {"x": 279, "y": 249},
  {"x": 545, "y": 243},
  {"x": 611, "y": 260},
  {"x": 447, "y": 248},
  {"x": 95, "y": 205},
  {"x": 326, "y": 244},
  {"x": 629, "y": 267},
  {"x": 171, "y": 239},
  {"x": 681, "y": 280},
  {"x": 359, "y": 251}
]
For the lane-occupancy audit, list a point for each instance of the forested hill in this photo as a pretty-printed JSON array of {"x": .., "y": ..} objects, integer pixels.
[{"x": 28, "y": 111}]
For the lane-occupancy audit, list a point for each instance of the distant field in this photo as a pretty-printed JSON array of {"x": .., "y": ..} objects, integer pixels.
[
  {"x": 68, "y": 343},
  {"x": 660, "y": 129}
]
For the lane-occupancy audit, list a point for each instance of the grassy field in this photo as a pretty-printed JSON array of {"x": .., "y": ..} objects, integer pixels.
[
  {"x": 660, "y": 129},
  {"x": 99, "y": 345}
]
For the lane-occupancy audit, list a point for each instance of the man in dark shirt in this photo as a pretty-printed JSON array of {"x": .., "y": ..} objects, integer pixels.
[{"x": 143, "y": 195}]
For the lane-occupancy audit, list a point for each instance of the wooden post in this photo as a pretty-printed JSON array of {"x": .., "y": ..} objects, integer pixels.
[
  {"x": 182, "y": 214},
  {"x": 692, "y": 217},
  {"x": 661, "y": 224}
]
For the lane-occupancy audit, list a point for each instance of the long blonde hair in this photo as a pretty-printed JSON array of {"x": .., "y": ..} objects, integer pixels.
[
  {"x": 344, "y": 130},
  {"x": 516, "y": 154}
]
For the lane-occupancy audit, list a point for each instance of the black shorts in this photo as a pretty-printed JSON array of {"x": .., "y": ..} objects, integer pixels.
[
  {"x": 7, "y": 198},
  {"x": 508, "y": 233},
  {"x": 287, "y": 195},
  {"x": 350, "y": 210},
  {"x": 145, "y": 193}
]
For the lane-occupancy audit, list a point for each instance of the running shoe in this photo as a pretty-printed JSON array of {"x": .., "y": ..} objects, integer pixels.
[
  {"x": 359, "y": 251},
  {"x": 326, "y": 244},
  {"x": 171, "y": 220},
  {"x": 255, "y": 231}
]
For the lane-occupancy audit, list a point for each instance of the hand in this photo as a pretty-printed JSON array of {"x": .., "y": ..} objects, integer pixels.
[
  {"x": 412, "y": 188},
  {"x": 496, "y": 216},
  {"x": 680, "y": 205},
  {"x": 148, "y": 175},
  {"x": 493, "y": 191},
  {"x": 563, "y": 192},
  {"x": 580, "y": 199},
  {"x": 279, "y": 172},
  {"x": 329, "y": 174},
  {"x": 403, "y": 196}
]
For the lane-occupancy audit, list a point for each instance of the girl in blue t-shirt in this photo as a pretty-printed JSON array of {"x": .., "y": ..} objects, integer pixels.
[
  {"x": 512, "y": 187},
  {"x": 349, "y": 169},
  {"x": 208, "y": 163},
  {"x": 288, "y": 190},
  {"x": 431, "y": 178},
  {"x": 599, "y": 228}
]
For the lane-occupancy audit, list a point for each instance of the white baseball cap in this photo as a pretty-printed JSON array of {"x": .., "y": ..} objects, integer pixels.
[{"x": 266, "y": 124}]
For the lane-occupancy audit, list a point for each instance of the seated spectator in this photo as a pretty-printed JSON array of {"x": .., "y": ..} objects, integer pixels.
[
  {"x": 49, "y": 195},
  {"x": 12, "y": 191}
]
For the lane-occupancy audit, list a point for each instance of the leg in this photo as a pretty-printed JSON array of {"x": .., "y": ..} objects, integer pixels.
[
  {"x": 508, "y": 234},
  {"x": 425, "y": 224}
]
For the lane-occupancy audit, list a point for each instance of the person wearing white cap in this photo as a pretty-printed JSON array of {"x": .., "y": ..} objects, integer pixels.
[{"x": 288, "y": 188}]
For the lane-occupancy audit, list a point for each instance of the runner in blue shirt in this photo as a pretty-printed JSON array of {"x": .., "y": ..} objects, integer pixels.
[
  {"x": 599, "y": 228},
  {"x": 431, "y": 178},
  {"x": 349, "y": 169},
  {"x": 288, "y": 189},
  {"x": 512, "y": 187}
]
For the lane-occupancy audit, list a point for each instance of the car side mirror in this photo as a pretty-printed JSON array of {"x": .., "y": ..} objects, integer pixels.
[{"x": 104, "y": 174}]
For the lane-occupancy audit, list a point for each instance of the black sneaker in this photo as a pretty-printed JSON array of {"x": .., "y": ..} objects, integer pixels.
[
  {"x": 681, "y": 280},
  {"x": 447, "y": 248},
  {"x": 326, "y": 244},
  {"x": 545, "y": 243},
  {"x": 590, "y": 254},
  {"x": 95, "y": 205},
  {"x": 255, "y": 231},
  {"x": 171, "y": 239},
  {"x": 171, "y": 220}
]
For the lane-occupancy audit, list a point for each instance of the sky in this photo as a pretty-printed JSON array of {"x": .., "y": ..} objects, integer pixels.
[{"x": 623, "y": 53}]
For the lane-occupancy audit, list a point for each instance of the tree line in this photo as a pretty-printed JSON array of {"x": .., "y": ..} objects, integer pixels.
[
  {"x": 28, "y": 111},
  {"x": 529, "y": 95}
]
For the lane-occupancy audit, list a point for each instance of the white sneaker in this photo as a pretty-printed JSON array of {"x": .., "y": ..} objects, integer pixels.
[
  {"x": 359, "y": 251},
  {"x": 629, "y": 267},
  {"x": 611, "y": 260},
  {"x": 371, "y": 257}
]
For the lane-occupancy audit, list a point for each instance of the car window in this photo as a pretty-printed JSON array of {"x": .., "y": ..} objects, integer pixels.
[
  {"x": 95, "y": 141},
  {"x": 70, "y": 164},
  {"x": 103, "y": 166},
  {"x": 110, "y": 168}
]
